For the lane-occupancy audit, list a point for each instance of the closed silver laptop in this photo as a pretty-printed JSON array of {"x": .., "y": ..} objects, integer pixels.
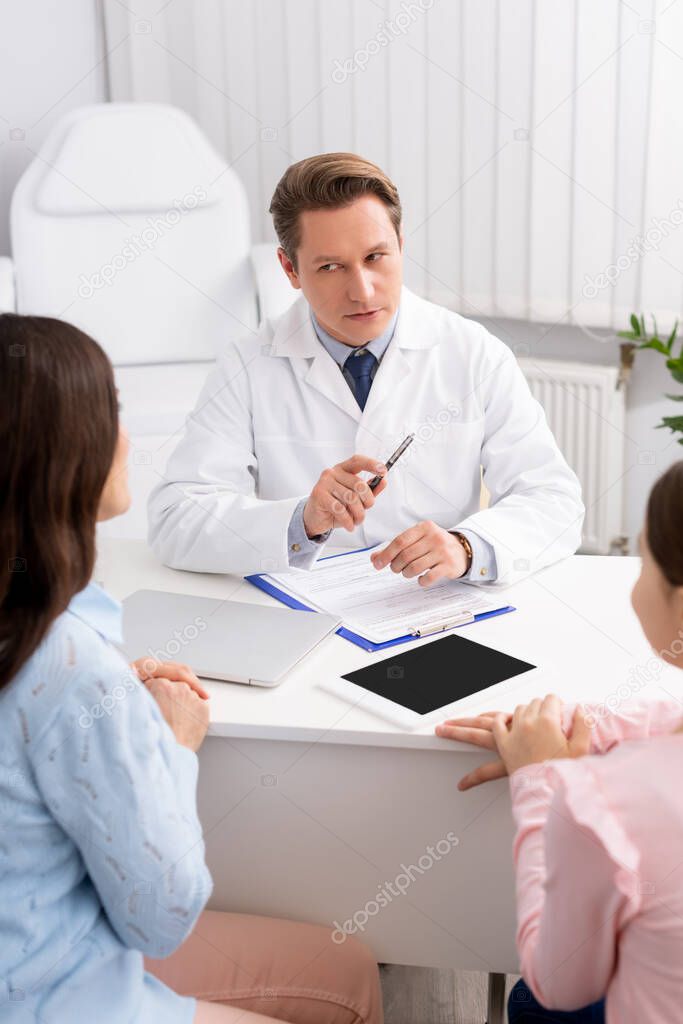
[{"x": 227, "y": 640}]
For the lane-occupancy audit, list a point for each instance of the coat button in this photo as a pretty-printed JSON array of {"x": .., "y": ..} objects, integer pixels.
[{"x": 296, "y": 547}]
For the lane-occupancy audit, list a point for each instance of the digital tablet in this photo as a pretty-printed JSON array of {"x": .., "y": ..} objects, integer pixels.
[{"x": 424, "y": 684}]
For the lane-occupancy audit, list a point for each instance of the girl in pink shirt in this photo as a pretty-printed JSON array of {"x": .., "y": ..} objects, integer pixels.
[{"x": 598, "y": 849}]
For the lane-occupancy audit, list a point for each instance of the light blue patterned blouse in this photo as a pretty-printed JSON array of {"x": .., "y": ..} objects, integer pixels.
[{"x": 101, "y": 852}]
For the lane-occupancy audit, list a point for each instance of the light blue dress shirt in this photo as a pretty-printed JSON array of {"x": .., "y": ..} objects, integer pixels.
[
  {"x": 101, "y": 851},
  {"x": 341, "y": 352},
  {"x": 302, "y": 550}
]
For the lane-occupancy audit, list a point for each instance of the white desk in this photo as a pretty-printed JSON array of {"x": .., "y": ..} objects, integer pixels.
[{"x": 310, "y": 806}]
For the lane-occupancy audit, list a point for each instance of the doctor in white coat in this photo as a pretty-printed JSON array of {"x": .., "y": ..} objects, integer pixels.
[{"x": 292, "y": 422}]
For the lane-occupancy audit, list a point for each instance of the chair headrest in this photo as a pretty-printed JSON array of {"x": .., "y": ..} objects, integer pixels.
[{"x": 128, "y": 158}]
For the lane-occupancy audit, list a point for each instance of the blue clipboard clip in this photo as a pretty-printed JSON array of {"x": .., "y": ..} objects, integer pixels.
[{"x": 430, "y": 629}]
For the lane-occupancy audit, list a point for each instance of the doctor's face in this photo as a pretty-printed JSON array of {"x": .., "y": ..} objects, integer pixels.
[{"x": 350, "y": 268}]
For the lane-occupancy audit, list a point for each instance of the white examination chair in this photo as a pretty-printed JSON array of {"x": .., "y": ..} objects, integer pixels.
[{"x": 129, "y": 225}]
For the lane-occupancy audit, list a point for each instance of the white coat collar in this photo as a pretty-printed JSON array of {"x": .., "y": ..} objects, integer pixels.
[
  {"x": 295, "y": 338},
  {"x": 294, "y": 335}
]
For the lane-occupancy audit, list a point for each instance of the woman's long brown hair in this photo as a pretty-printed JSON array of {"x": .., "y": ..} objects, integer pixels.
[{"x": 58, "y": 436}]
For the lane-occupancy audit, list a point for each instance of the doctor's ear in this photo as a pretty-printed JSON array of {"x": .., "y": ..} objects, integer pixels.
[{"x": 288, "y": 267}]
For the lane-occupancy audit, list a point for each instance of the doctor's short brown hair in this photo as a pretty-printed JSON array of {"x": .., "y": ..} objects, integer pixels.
[{"x": 328, "y": 180}]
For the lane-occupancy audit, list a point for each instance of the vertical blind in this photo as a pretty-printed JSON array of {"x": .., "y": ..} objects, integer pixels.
[{"x": 536, "y": 144}]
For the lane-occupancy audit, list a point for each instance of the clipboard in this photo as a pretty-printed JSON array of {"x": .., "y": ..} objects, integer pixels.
[{"x": 259, "y": 580}]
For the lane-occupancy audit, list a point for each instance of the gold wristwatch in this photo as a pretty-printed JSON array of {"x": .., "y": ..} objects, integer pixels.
[{"x": 467, "y": 546}]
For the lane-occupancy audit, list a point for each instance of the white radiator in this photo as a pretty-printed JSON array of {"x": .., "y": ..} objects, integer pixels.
[{"x": 586, "y": 414}]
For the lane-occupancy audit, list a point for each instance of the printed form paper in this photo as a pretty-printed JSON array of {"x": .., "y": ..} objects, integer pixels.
[{"x": 379, "y": 605}]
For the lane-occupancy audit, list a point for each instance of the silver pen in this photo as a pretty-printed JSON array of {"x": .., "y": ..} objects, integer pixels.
[{"x": 376, "y": 480}]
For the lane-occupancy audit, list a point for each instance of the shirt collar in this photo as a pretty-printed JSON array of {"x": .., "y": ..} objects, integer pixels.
[
  {"x": 100, "y": 610},
  {"x": 341, "y": 352}
]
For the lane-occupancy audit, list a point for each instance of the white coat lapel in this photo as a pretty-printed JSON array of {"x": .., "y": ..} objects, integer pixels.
[
  {"x": 295, "y": 338},
  {"x": 414, "y": 330},
  {"x": 325, "y": 376},
  {"x": 394, "y": 367}
]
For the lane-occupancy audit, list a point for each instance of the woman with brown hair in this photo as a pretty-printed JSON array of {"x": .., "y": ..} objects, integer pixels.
[
  {"x": 101, "y": 851},
  {"x": 597, "y": 803}
]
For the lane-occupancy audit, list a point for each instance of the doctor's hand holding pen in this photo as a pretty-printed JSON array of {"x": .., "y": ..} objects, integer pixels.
[
  {"x": 341, "y": 497},
  {"x": 426, "y": 550}
]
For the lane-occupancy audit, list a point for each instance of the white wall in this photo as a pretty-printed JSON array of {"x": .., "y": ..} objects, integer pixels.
[
  {"x": 533, "y": 143},
  {"x": 51, "y": 60}
]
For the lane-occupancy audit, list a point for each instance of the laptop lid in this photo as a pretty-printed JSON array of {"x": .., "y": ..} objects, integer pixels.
[{"x": 232, "y": 641}]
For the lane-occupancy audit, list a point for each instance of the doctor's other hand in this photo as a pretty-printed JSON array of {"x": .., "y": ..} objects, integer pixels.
[
  {"x": 185, "y": 711},
  {"x": 341, "y": 497},
  {"x": 425, "y": 550}
]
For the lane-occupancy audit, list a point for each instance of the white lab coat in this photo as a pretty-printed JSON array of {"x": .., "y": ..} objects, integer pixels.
[{"x": 276, "y": 411}]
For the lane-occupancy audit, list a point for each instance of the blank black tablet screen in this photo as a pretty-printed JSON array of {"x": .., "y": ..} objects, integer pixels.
[{"x": 429, "y": 677}]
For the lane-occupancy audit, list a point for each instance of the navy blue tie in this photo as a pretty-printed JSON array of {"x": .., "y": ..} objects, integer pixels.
[{"x": 360, "y": 365}]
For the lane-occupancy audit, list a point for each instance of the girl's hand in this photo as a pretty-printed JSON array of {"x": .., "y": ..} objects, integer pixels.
[
  {"x": 480, "y": 732},
  {"x": 535, "y": 734},
  {"x": 149, "y": 668},
  {"x": 186, "y": 712}
]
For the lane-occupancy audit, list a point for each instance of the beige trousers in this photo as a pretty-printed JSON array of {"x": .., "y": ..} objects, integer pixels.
[{"x": 260, "y": 969}]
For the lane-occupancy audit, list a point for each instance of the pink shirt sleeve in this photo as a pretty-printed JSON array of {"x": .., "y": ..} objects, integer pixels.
[
  {"x": 632, "y": 721},
  {"x": 572, "y": 895}
]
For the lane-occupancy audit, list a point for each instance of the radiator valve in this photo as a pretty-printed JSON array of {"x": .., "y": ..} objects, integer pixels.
[
  {"x": 627, "y": 355},
  {"x": 619, "y": 546}
]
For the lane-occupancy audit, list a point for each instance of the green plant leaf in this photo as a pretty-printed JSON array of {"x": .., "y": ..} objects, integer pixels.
[
  {"x": 631, "y": 335},
  {"x": 657, "y": 345},
  {"x": 673, "y": 423},
  {"x": 675, "y": 366},
  {"x": 654, "y": 324},
  {"x": 672, "y": 337},
  {"x": 635, "y": 325},
  {"x": 675, "y": 398},
  {"x": 642, "y": 325}
]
